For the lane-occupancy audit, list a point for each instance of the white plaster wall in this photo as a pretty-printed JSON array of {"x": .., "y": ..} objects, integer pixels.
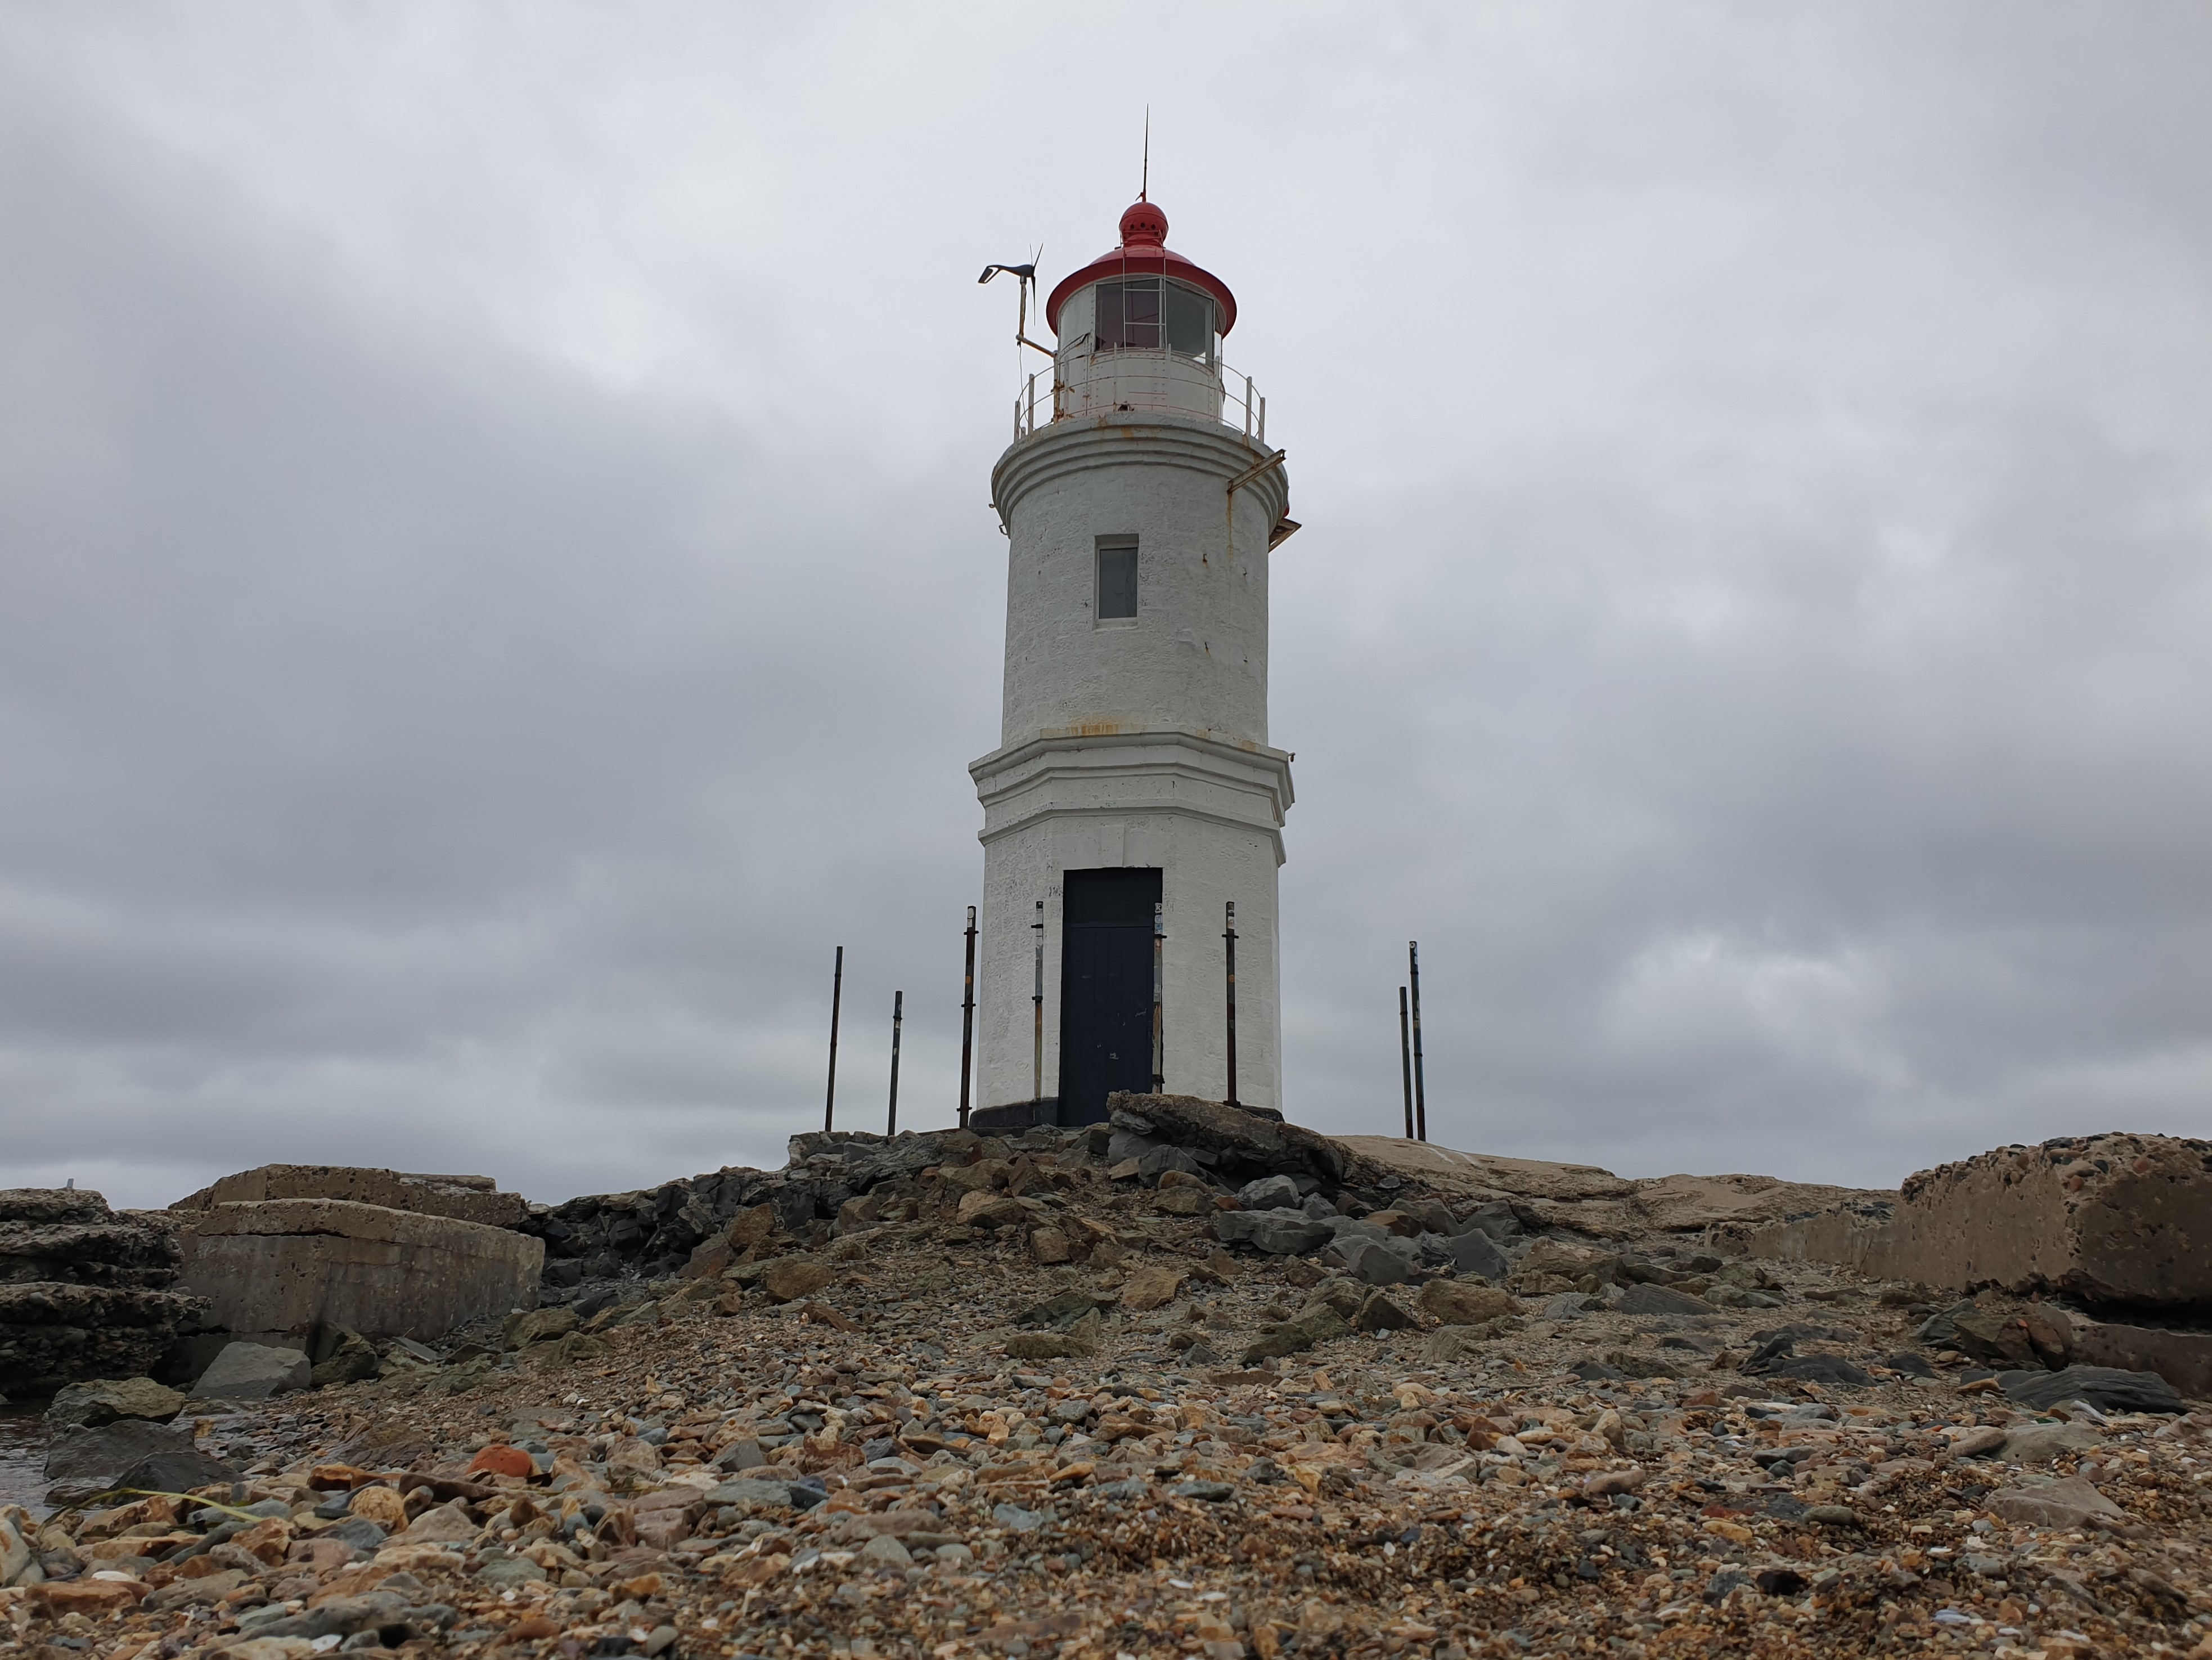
[
  {"x": 1196, "y": 653},
  {"x": 1138, "y": 744},
  {"x": 1204, "y": 864}
]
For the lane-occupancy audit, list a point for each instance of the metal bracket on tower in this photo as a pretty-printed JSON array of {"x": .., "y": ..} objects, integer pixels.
[{"x": 1255, "y": 471}]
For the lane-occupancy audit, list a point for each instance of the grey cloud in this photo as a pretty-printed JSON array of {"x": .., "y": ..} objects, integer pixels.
[{"x": 463, "y": 661}]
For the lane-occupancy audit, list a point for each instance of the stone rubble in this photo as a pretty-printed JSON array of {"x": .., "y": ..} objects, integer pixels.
[{"x": 953, "y": 1394}]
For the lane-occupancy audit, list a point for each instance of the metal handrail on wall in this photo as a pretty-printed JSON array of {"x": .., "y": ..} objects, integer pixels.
[{"x": 1046, "y": 397}]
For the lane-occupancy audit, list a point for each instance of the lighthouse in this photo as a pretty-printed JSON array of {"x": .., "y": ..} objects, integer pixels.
[{"x": 1133, "y": 813}]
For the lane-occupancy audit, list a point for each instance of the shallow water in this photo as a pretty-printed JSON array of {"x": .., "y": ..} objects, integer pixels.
[{"x": 23, "y": 1458}]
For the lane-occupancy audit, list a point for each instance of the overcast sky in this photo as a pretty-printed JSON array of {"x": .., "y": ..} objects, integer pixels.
[{"x": 496, "y": 577}]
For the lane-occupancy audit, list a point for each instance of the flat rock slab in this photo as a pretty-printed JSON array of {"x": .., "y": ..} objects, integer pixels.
[
  {"x": 276, "y": 1268},
  {"x": 2106, "y": 1388}
]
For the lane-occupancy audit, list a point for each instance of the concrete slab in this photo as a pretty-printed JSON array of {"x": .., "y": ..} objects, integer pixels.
[
  {"x": 2115, "y": 1222},
  {"x": 275, "y": 1270},
  {"x": 464, "y": 1198}
]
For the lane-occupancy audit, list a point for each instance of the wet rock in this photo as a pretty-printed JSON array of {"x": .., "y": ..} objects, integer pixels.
[{"x": 97, "y": 1403}]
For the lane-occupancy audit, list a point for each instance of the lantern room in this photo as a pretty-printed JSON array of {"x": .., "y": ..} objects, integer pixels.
[{"x": 1140, "y": 328}]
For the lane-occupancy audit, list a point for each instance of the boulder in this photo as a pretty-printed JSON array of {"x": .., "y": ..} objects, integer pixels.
[
  {"x": 93, "y": 1404},
  {"x": 1279, "y": 1233},
  {"x": 2117, "y": 1222},
  {"x": 2184, "y": 1358},
  {"x": 751, "y": 1228},
  {"x": 343, "y": 1355},
  {"x": 1152, "y": 1289},
  {"x": 276, "y": 1270},
  {"x": 1269, "y": 1193},
  {"x": 1378, "y": 1261},
  {"x": 128, "y": 1453},
  {"x": 253, "y": 1372},
  {"x": 1474, "y": 1252},
  {"x": 2104, "y": 1388},
  {"x": 460, "y": 1198},
  {"x": 1458, "y": 1303},
  {"x": 519, "y": 1331},
  {"x": 1379, "y": 1313},
  {"x": 790, "y": 1278},
  {"x": 2040, "y": 1443},
  {"x": 2063, "y": 1506},
  {"x": 1318, "y": 1324}
]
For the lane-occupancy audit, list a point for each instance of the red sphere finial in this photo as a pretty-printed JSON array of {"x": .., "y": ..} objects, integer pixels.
[{"x": 1143, "y": 223}]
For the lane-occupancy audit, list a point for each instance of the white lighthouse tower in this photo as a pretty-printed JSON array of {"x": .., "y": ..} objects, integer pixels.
[{"x": 1133, "y": 796}]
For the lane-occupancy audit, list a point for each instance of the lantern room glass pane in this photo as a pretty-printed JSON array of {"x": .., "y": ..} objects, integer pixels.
[{"x": 1189, "y": 322}]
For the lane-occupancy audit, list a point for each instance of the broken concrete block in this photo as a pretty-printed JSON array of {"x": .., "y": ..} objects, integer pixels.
[
  {"x": 277, "y": 1270},
  {"x": 2116, "y": 1221},
  {"x": 462, "y": 1198}
]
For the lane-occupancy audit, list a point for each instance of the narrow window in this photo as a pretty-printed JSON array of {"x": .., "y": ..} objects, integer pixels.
[{"x": 1117, "y": 577}]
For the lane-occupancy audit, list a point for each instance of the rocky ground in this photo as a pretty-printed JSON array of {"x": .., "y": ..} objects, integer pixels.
[{"x": 1051, "y": 1402}]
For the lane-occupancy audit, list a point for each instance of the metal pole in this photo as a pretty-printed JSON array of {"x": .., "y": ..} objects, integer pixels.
[
  {"x": 836, "y": 999},
  {"x": 898, "y": 1019},
  {"x": 968, "y": 1020},
  {"x": 1228, "y": 933},
  {"x": 1406, "y": 1060},
  {"x": 1420, "y": 1089},
  {"x": 1036, "y": 1063},
  {"x": 1159, "y": 1030}
]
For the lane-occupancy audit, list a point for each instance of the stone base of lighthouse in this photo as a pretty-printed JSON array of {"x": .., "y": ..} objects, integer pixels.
[{"x": 1096, "y": 826}]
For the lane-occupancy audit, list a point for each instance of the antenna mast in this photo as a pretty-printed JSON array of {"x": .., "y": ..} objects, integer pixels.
[{"x": 1145, "y": 182}]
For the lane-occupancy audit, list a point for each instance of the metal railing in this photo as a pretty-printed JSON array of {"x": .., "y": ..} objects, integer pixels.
[{"x": 1135, "y": 379}]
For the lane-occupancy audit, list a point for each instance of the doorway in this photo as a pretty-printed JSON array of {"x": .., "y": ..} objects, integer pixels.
[{"x": 1105, "y": 988}]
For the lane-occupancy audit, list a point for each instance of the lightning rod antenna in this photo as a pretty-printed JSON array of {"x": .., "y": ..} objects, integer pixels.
[{"x": 1145, "y": 184}]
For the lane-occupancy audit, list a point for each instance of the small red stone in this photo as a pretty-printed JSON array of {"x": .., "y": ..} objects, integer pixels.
[{"x": 502, "y": 1460}]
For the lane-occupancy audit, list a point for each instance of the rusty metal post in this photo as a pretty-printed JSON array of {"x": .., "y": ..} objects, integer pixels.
[
  {"x": 1229, "y": 934},
  {"x": 1420, "y": 1090},
  {"x": 836, "y": 999},
  {"x": 967, "y": 1021},
  {"x": 898, "y": 1019},
  {"x": 1036, "y": 1062},
  {"x": 1159, "y": 977},
  {"x": 1406, "y": 1060}
]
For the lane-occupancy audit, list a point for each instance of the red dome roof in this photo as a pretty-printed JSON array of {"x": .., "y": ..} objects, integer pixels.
[{"x": 1144, "y": 253}]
